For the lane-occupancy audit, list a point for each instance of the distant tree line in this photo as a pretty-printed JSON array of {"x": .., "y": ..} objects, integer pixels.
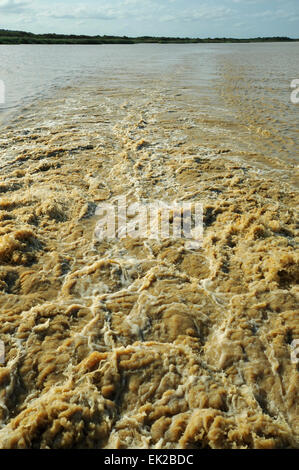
[{"x": 21, "y": 37}]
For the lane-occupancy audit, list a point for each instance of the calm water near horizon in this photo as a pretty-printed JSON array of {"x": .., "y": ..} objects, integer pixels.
[{"x": 241, "y": 85}]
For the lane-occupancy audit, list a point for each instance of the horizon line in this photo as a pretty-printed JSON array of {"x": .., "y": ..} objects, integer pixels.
[{"x": 281, "y": 37}]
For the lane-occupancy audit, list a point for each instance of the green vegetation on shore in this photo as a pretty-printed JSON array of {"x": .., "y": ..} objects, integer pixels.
[{"x": 21, "y": 37}]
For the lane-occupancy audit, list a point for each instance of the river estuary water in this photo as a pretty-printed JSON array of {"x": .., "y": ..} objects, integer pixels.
[{"x": 141, "y": 342}]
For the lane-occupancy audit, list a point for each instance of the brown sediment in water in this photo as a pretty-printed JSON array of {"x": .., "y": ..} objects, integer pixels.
[{"x": 142, "y": 343}]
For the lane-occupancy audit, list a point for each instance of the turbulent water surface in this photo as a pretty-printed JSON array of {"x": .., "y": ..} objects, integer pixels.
[{"x": 137, "y": 342}]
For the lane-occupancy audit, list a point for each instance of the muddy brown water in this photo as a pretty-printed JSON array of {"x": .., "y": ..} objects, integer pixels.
[{"x": 136, "y": 342}]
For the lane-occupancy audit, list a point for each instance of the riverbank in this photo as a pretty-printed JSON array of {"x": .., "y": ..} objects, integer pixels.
[
  {"x": 22, "y": 37},
  {"x": 136, "y": 342}
]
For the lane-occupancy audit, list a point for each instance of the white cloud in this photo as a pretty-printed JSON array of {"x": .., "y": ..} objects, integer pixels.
[
  {"x": 14, "y": 6},
  {"x": 121, "y": 10},
  {"x": 203, "y": 13}
]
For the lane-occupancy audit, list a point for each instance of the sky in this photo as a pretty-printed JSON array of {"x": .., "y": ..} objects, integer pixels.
[{"x": 182, "y": 18}]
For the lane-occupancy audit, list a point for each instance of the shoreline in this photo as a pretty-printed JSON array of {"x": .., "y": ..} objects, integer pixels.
[{"x": 22, "y": 37}]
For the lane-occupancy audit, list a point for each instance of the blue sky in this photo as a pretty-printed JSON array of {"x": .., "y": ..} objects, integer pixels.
[{"x": 193, "y": 18}]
